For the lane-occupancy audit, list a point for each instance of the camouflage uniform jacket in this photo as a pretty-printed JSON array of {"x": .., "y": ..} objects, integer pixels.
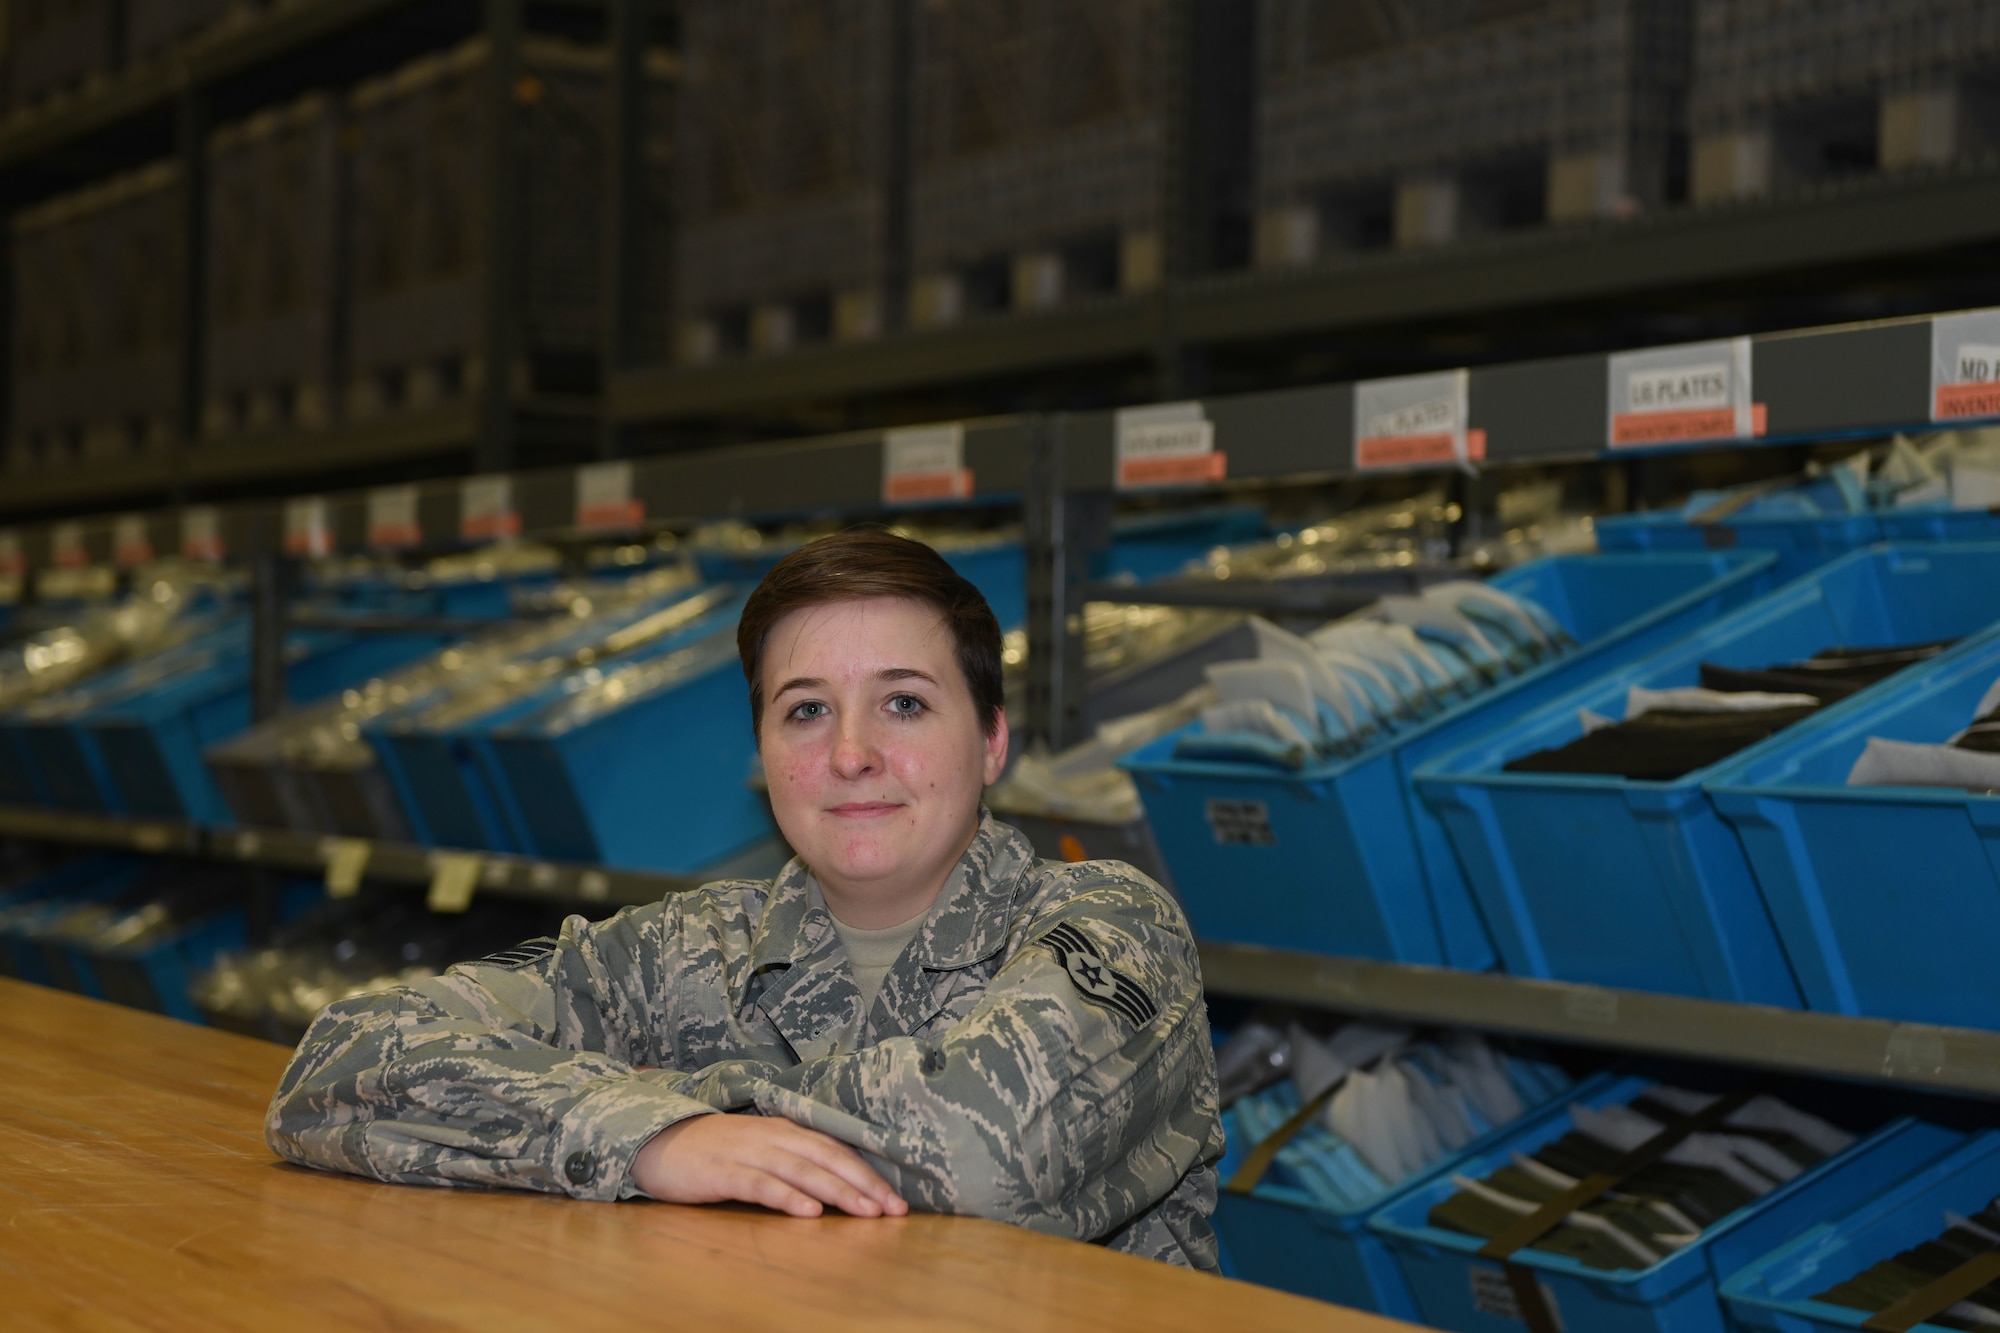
[{"x": 1038, "y": 1054}]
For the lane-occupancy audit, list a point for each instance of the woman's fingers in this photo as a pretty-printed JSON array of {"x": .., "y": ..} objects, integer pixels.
[
  {"x": 754, "y": 1185},
  {"x": 837, "y": 1158}
]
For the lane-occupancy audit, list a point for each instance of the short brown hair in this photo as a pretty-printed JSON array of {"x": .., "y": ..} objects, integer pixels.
[{"x": 850, "y": 566}]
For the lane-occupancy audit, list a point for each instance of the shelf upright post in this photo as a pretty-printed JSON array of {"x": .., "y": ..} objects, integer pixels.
[
  {"x": 1068, "y": 532},
  {"x": 624, "y": 204},
  {"x": 504, "y": 256},
  {"x": 274, "y": 578},
  {"x": 191, "y": 127}
]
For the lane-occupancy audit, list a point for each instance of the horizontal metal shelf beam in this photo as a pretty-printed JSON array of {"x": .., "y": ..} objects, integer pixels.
[{"x": 1962, "y": 1060}]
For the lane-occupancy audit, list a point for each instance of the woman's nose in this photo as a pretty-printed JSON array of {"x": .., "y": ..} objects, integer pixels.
[{"x": 853, "y": 749}]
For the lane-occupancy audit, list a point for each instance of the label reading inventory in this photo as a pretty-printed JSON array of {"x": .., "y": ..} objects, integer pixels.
[
  {"x": 486, "y": 510},
  {"x": 392, "y": 518},
  {"x": 308, "y": 531},
  {"x": 1965, "y": 366},
  {"x": 1169, "y": 445},
  {"x": 1673, "y": 395},
  {"x": 131, "y": 543},
  {"x": 66, "y": 550},
  {"x": 926, "y": 463},
  {"x": 201, "y": 534},
  {"x": 604, "y": 500},
  {"x": 1414, "y": 421}
]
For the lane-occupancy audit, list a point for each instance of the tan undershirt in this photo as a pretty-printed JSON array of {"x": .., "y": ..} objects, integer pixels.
[{"x": 871, "y": 953}]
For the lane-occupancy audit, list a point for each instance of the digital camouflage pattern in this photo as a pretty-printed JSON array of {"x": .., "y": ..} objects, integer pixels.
[{"x": 1039, "y": 1054}]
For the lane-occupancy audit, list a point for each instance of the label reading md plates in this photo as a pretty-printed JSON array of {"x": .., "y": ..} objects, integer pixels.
[
  {"x": 1671, "y": 395},
  {"x": 925, "y": 463},
  {"x": 1965, "y": 366},
  {"x": 1493, "y": 1294},
  {"x": 1241, "y": 823},
  {"x": 1169, "y": 445},
  {"x": 1414, "y": 421}
]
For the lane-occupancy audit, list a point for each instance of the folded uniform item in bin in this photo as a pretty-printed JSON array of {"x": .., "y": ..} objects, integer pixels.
[
  {"x": 1829, "y": 675},
  {"x": 1970, "y": 760},
  {"x": 1892, "y": 1280},
  {"x": 1660, "y": 1208}
]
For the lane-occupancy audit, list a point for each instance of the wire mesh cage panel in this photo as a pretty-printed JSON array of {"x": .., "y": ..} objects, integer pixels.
[
  {"x": 97, "y": 353},
  {"x": 1408, "y": 122},
  {"x": 782, "y": 153}
]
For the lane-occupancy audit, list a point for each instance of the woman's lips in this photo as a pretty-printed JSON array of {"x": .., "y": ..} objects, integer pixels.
[{"x": 864, "y": 809}]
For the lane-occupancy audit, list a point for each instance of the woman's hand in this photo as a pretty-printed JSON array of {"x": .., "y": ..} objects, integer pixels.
[{"x": 762, "y": 1160}]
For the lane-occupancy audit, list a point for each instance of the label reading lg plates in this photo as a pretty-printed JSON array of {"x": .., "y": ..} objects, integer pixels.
[
  {"x": 66, "y": 546},
  {"x": 131, "y": 544},
  {"x": 1169, "y": 445},
  {"x": 486, "y": 510},
  {"x": 201, "y": 534},
  {"x": 1414, "y": 421},
  {"x": 1965, "y": 366},
  {"x": 604, "y": 498},
  {"x": 1671, "y": 395},
  {"x": 307, "y": 530},
  {"x": 392, "y": 518},
  {"x": 925, "y": 463}
]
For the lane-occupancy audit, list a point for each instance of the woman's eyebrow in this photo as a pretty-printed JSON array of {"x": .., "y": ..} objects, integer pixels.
[
  {"x": 906, "y": 673},
  {"x": 799, "y": 683}
]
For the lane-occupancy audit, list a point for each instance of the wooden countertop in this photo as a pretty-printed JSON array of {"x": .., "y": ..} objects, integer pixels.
[{"x": 136, "y": 1192}]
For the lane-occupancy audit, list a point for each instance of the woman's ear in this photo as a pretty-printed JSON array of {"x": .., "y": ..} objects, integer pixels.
[{"x": 996, "y": 748}]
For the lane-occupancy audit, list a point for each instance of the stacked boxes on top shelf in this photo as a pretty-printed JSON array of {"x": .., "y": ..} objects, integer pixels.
[
  {"x": 781, "y": 194},
  {"x": 273, "y": 235},
  {"x": 97, "y": 347},
  {"x": 1424, "y": 123},
  {"x": 424, "y": 224},
  {"x": 155, "y": 26},
  {"x": 55, "y": 47},
  {"x": 1791, "y": 91},
  {"x": 1037, "y": 170}
]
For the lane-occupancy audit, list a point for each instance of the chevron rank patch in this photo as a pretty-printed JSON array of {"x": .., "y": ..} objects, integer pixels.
[
  {"x": 1094, "y": 978},
  {"x": 521, "y": 955}
]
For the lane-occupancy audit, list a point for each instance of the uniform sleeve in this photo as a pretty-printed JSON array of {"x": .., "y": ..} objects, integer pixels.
[
  {"x": 1075, "y": 1095},
  {"x": 518, "y": 1070}
]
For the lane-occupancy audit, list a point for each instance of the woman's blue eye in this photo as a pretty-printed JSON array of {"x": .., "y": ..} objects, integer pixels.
[
  {"x": 809, "y": 710},
  {"x": 906, "y": 705}
]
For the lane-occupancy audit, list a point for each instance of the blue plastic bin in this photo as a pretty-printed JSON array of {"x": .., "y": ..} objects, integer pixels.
[
  {"x": 1887, "y": 898},
  {"x": 1941, "y": 525},
  {"x": 1775, "y": 1292},
  {"x": 654, "y": 776},
  {"x": 1279, "y": 1237},
  {"x": 1343, "y": 859},
  {"x": 1456, "y": 1289},
  {"x": 1642, "y": 884},
  {"x": 1801, "y": 544}
]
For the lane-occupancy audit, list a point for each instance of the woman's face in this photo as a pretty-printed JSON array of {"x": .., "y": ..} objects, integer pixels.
[{"x": 873, "y": 751}]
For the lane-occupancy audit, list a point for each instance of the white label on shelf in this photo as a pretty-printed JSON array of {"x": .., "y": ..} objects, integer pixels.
[
  {"x": 1172, "y": 444},
  {"x": 1493, "y": 1294},
  {"x": 248, "y": 844},
  {"x": 486, "y": 510},
  {"x": 925, "y": 463},
  {"x": 307, "y": 530},
  {"x": 604, "y": 498},
  {"x": 346, "y": 863},
  {"x": 201, "y": 533},
  {"x": 1965, "y": 366},
  {"x": 1414, "y": 421},
  {"x": 1584, "y": 1004},
  {"x": 131, "y": 543},
  {"x": 1674, "y": 395},
  {"x": 454, "y": 875},
  {"x": 593, "y": 886},
  {"x": 1241, "y": 823},
  {"x": 66, "y": 550},
  {"x": 392, "y": 518}
]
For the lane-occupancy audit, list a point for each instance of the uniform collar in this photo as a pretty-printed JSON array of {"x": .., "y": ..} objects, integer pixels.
[{"x": 968, "y": 923}]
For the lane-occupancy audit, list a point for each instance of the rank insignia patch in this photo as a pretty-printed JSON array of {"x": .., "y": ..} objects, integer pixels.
[
  {"x": 1094, "y": 978},
  {"x": 521, "y": 955}
]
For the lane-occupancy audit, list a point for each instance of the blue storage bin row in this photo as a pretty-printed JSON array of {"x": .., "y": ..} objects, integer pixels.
[
  {"x": 1457, "y": 1289},
  {"x": 1775, "y": 1294},
  {"x": 1887, "y": 899},
  {"x": 1642, "y": 884},
  {"x": 129, "y": 740},
  {"x": 1342, "y": 857},
  {"x": 1801, "y": 544}
]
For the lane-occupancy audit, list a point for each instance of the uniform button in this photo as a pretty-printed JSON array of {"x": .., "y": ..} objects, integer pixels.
[
  {"x": 934, "y": 1062},
  {"x": 580, "y": 1167}
]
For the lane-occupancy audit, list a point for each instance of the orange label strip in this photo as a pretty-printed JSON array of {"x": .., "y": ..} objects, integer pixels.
[
  {"x": 1403, "y": 450},
  {"x": 1706, "y": 423},
  {"x": 1179, "y": 470},
  {"x": 1967, "y": 400},
  {"x": 953, "y": 485}
]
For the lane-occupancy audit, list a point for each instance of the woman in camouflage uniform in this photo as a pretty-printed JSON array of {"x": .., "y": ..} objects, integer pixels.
[{"x": 915, "y": 1013}]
